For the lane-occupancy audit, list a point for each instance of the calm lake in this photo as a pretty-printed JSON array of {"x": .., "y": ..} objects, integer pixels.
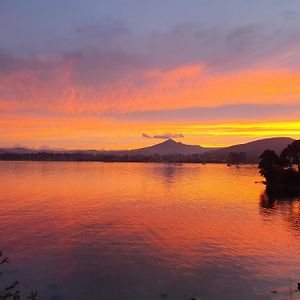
[{"x": 134, "y": 231}]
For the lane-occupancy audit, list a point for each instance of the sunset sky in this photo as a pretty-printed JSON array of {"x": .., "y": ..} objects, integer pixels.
[{"x": 113, "y": 74}]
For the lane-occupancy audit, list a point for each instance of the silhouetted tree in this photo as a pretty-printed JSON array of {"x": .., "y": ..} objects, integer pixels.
[
  {"x": 291, "y": 155},
  {"x": 267, "y": 163},
  {"x": 281, "y": 177}
]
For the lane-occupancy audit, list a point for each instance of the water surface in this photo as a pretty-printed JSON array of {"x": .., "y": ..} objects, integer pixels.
[{"x": 134, "y": 231}]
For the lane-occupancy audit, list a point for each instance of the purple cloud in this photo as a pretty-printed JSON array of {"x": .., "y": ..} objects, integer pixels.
[{"x": 165, "y": 136}]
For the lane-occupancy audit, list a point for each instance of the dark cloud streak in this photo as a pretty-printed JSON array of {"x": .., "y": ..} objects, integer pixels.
[
  {"x": 165, "y": 136},
  {"x": 237, "y": 112}
]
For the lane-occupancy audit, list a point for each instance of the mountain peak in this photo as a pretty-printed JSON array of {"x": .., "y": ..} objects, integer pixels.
[
  {"x": 171, "y": 147},
  {"x": 170, "y": 142}
]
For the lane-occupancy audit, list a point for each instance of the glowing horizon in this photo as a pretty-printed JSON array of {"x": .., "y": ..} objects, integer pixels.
[{"x": 106, "y": 78}]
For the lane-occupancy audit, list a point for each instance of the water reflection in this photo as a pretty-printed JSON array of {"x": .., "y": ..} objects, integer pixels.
[
  {"x": 139, "y": 231},
  {"x": 288, "y": 208},
  {"x": 170, "y": 171}
]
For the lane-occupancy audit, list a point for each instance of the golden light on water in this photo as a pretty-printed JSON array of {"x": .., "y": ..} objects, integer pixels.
[{"x": 177, "y": 220}]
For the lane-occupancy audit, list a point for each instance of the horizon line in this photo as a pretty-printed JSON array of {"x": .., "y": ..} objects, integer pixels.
[{"x": 44, "y": 148}]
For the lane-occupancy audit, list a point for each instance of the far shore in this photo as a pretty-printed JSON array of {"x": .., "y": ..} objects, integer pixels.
[{"x": 75, "y": 157}]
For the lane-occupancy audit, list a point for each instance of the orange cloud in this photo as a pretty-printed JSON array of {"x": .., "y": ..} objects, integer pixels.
[
  {"x": 201, "y": 89},
  {"x": 182, "y": 87},
  {"x": 55, "y": 111}
]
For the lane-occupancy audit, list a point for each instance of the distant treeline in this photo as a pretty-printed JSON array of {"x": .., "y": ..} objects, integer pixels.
[{"x": 233, "y": 158}]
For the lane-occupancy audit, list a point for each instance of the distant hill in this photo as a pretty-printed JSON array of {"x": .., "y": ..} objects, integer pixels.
[
  {"x": 167, "y": 148},
  {"x": 18, "y": 150},
  {"x": 170, "y": 147},
  {"x": 252, "y": 149}
]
